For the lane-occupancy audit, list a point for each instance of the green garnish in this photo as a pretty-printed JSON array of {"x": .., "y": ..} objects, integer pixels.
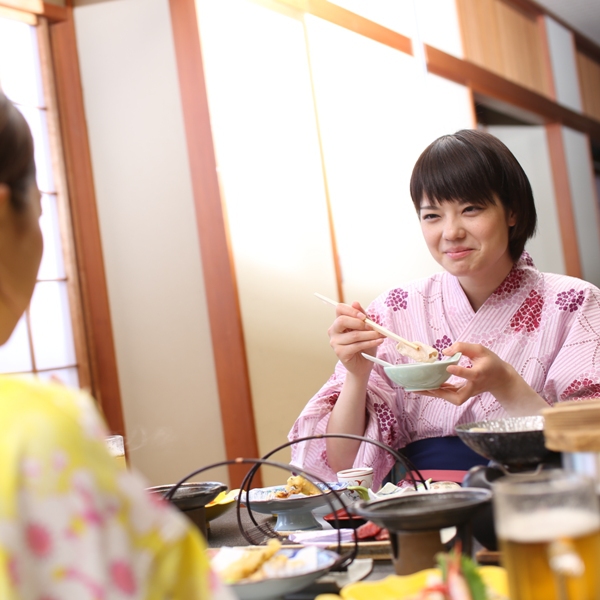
[
  {"x": 455, "y": 563},
  {"x": 474, "y": 580}
]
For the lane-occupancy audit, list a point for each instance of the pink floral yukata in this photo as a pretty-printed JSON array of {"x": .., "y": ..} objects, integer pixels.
[{"x": 547, "y": 326}]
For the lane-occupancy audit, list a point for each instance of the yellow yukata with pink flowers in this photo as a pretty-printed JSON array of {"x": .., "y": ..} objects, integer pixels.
[{"x": 73, "y": 523}]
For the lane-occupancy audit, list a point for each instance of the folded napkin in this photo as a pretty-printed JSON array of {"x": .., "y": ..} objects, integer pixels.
[{"x": 322, "y": 538}]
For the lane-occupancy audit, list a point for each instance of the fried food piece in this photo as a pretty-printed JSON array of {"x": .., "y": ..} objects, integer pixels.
[
  {"x": 296, "y": 484},
  {"x": 300, "y": 485},
  {"x": 424, "y": 353},
  {"x": 250, "y": 562}
]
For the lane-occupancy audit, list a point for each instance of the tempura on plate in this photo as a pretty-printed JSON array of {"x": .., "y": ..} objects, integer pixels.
[{"x": 296, "y": 484}]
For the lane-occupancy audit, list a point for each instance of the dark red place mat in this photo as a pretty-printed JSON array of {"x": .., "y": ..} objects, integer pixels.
[{"x": 344, "y": 519}]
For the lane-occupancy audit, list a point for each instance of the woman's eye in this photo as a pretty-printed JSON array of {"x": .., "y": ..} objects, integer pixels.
[
  {"x": 472, "y": 209},
  {"x": 428, "y": 216}
]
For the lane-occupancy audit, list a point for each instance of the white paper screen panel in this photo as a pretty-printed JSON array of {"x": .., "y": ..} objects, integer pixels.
[
  {"x": 433, "y": 22},
  {"x": 15, "y": 355},
  {"x": 53, "y": 264},
  {"x": 529, "y": 144},
  {"x": 377, "y": 113},
  {"x": 585, "y": 203},
  {"x": 19, "y": 63},
  {"x": 267, "y": 148},
  {"x": 43, "y": 341},
  {"x": 561, "y": 46}
]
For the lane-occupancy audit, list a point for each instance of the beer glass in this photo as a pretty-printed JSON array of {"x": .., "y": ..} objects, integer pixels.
[
  {"x": 548, "y": 528},
  {"x": 116, "y": 447}
]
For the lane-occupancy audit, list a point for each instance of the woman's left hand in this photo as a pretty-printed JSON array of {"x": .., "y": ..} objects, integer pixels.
[{"x": 489, "y": 373}]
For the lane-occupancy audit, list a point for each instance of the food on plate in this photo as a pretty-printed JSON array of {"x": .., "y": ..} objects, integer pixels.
[
  {"x": 247, "y": 563},
  {"x": 370, "y": 531},
  {"x": 242, "y": 565},
  {"x": 296, "y": 484},
  {"x": 460, "y": 580},
  {"x": 423, "y": 353}
]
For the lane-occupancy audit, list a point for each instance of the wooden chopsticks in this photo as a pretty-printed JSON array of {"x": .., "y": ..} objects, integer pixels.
[{"x": 375, "y": 326}]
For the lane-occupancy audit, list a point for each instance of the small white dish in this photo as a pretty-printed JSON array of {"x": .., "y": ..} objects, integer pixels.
[{"x": 418, "y": 377}]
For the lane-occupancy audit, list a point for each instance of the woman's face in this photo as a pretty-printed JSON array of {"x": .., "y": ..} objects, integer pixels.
[
  {"x": 468, "y": 240},
  {"x": 21, "y": 247}
]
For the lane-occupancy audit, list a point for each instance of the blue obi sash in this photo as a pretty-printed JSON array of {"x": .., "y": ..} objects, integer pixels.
[{"x": 440, "y": 453}]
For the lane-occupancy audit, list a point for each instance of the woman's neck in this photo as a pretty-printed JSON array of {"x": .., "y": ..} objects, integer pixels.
[{"x": 478, "y": 289}]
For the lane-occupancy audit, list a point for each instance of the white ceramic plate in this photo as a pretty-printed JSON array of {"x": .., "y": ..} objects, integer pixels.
[
  {"x": 278, "y": 587},
  {"x": 293, "y": 513}
]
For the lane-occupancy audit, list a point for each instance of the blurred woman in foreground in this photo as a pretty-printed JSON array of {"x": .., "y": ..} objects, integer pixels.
[{"x": 73, "y": 524}]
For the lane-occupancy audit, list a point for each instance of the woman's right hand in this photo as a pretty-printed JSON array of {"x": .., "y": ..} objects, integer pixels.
[{"x": 349, "y": 336}]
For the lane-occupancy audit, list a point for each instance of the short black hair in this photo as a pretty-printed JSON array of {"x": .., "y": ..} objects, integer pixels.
[
  {"x": 476, "y": 167},
  {"x": 17, "y": 166}
]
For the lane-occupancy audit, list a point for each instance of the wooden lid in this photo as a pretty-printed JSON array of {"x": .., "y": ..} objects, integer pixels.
[{"x": 573, "y": 426}]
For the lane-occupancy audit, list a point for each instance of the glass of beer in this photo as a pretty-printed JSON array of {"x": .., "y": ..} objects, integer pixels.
[
  {"x": 548, "y": 528},
  {"x": 116, "y": 447}
]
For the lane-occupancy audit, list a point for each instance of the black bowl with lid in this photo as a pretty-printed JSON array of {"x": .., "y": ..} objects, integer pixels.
[{"x": 515, "y": 442}]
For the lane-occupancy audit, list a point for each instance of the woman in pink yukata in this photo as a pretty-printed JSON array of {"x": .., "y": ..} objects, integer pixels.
[{"x": 528, "y": 339}]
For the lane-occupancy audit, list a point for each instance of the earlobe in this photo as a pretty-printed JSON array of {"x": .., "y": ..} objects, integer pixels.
[{"x": 512, "y": 219}]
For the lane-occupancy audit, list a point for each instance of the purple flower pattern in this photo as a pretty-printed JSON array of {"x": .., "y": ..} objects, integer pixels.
[
  {"x": 583, "y": 387},
  {"x": 397, "y": 299},
  {"x": 388, "y": 424},
  {"x": 529, "y": 315},
  {"x": 570, "y": 300},
  {"x": 511, "y": 284},
  {"x": 331, "y": 400},
  {"x": 442, "y": 344}
]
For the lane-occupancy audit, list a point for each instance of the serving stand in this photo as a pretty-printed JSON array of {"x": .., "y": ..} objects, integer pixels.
[{"x": 415, "y": 521}]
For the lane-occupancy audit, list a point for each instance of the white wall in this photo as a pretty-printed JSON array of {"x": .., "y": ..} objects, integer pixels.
[
  {"x": 529, "y": 144},
  {"x": 585, "y": 204},
  {"x": 564, "y": 64},
  {"x": 149, "y": 237}
]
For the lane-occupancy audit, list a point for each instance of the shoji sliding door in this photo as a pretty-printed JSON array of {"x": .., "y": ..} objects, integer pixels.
[
  {"x": 316, "y": 130},
  {"x": 272, "y": 180}
]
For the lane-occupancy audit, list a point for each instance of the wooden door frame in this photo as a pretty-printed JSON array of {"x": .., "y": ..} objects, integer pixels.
[
  {"x": 222, "y": 298},
  {"x": 86, "y": 229}
]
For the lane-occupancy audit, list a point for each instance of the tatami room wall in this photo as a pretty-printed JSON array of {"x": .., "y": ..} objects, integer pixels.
[{"x": 149, "y": 237}]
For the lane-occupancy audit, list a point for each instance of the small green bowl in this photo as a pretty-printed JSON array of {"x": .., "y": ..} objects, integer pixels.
[{"x": 419, "y": 377}]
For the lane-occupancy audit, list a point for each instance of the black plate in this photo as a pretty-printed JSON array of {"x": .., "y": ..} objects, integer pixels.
[
  {"x": 191, "y": 495},
  {"x": 425, "y": 510},
  {"x": 516, "y": 442}
]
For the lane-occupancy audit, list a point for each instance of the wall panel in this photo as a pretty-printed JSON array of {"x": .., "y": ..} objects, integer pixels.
[
  {"x": 269, "y": 162},
  {"x": 561, "y": 47},
  {"x": 589, "y": 80},
  {"x": 585, "y": 205},
  {"x": 149, "y": 239},
  {"x": 378, "y": 111},
  {"x": 529, "y": 144},
  {"x": 503, "y": 38}
]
